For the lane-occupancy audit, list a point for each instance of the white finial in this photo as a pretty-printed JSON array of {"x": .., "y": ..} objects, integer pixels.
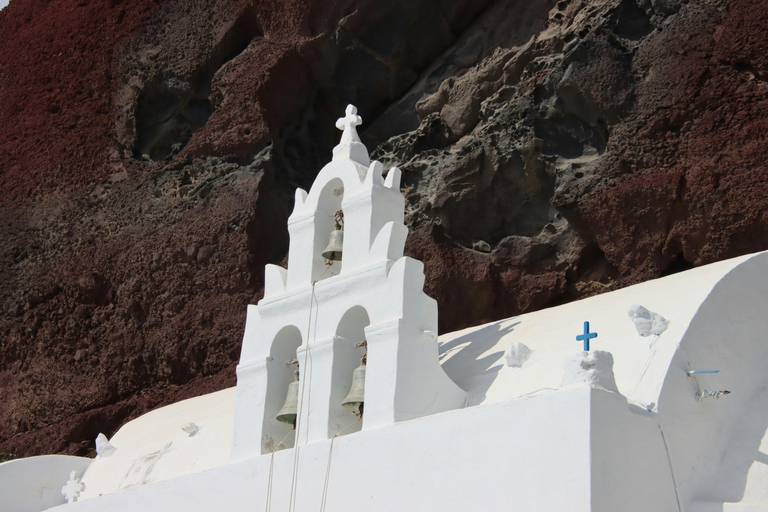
[
  {"x": 191, "y": 429},
  {"x": 349, "y": 124},
  {"x": 350, "y": 147},
  {"x": 647, "y": 322},
  {"x": 517, "y": 354},
  {"x": 73, "y": 487},
  {"x": 103, "y": 447},
  {"x": 593, "y": 368}
]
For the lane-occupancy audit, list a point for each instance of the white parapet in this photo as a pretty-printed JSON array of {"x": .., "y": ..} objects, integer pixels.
[{"x": 34, "y": 484}]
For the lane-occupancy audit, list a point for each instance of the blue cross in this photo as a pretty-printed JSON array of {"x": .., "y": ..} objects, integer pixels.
[{"x": 586, "y": 336}]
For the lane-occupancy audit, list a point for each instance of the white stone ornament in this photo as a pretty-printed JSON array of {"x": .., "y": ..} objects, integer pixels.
[
  {"x": 191, "y": 429},
  {"x": 517, "y": 354},
  {"x": 103, "y": 447},
  {"x": 647, "y": 322},
  {"x": 73, "y": 487},
  {"x": 593, "y": 368},
  {"x": 350, "y": 147}
]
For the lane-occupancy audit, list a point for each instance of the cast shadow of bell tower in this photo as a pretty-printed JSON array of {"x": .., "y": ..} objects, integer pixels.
[{"x": 467, "y": 362}]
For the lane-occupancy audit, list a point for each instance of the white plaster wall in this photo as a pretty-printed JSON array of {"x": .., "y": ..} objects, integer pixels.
[
  {"x": 154, "y": 448},
  {"x": 402, "y": 349},
  {"x": 369, "y": 202},
  {"x": 474, "y": 357},
  {"x": 526, "y": 436},
  {"x": 34, "y": 483},
  {"x": 714, "y": 444},
  {"x": 741, "y": 477},
  {"x": 517, "y": 455},
  {"x": 629, "y": 465}
]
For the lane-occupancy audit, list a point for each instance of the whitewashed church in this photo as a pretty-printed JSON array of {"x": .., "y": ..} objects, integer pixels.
[{"x": 650, "y": 398}]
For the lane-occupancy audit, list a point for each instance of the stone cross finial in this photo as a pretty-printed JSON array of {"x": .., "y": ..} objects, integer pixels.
[
  {"x": 349, "y": 124},
  {"x": 73, "y": 487},
  {"x": 350, "y": 147}
]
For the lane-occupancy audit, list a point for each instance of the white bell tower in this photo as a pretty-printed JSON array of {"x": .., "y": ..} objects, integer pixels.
[{"x": 317, "y": 312}]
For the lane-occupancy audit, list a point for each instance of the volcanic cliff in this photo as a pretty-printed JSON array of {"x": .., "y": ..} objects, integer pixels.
[{"x": 149, "y": 150}]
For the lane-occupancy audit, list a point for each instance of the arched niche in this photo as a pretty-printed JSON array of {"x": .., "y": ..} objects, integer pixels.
[
  {"x": 280, "y": 370},
  {"x": 328, "y": 203},
  {"x": 346, "y": 357}
]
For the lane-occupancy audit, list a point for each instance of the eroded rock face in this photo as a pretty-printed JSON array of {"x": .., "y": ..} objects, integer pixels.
[{"x": 551, "y": 150}]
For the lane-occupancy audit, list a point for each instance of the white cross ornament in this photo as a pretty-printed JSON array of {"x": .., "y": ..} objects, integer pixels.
[
  {"x": 350, "y": 147},
  {"x": 349, "y": 124},
  {"x": 73, "y": 487}
]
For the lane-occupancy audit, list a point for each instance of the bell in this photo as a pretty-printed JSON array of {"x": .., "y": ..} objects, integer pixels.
[
  {"x": 356, "y": 395},
  {"x": 288, "y": 413},
  {"x": 333, "y": 251}
]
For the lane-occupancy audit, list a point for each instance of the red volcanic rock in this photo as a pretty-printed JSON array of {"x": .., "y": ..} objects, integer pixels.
[
  {"x": 55, "y": 89},
  {"x": 686, "y": 181},
  {"x": 265, "y": 74}
]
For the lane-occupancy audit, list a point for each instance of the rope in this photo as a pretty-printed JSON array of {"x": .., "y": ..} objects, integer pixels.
[
  {"x": 280, "y": 446},
  {"x": 269, "y": 482},
  {"x": 292, "y": 500},
  {"x": 328, "y": 467}
]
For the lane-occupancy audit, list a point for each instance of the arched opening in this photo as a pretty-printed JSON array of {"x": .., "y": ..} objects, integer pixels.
[
  {"x": 346, "y": 357},
  {"x": 280, "y": 373},
  {"x": 329, "y": 203}
]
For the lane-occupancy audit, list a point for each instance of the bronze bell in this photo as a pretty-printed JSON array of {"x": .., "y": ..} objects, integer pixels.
[
  {"x": 288, "y": 412},
  {"x": 333, "y": 251},
  {"x": 356, "y": 396}
]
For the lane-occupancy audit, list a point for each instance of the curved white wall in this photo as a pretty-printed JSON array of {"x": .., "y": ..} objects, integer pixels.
[
  {"x": 728, "y": 333},
  {"x": 34, "y": 484}
]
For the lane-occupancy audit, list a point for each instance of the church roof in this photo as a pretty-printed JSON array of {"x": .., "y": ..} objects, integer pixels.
[{"x": 155, "y": 447}]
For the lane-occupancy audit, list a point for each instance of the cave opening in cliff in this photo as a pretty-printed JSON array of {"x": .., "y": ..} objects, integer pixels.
[
  {"x": 166, "y": 118},
  {"x": 171, "y": 108},
  {"x": 679, "y": 264}
]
